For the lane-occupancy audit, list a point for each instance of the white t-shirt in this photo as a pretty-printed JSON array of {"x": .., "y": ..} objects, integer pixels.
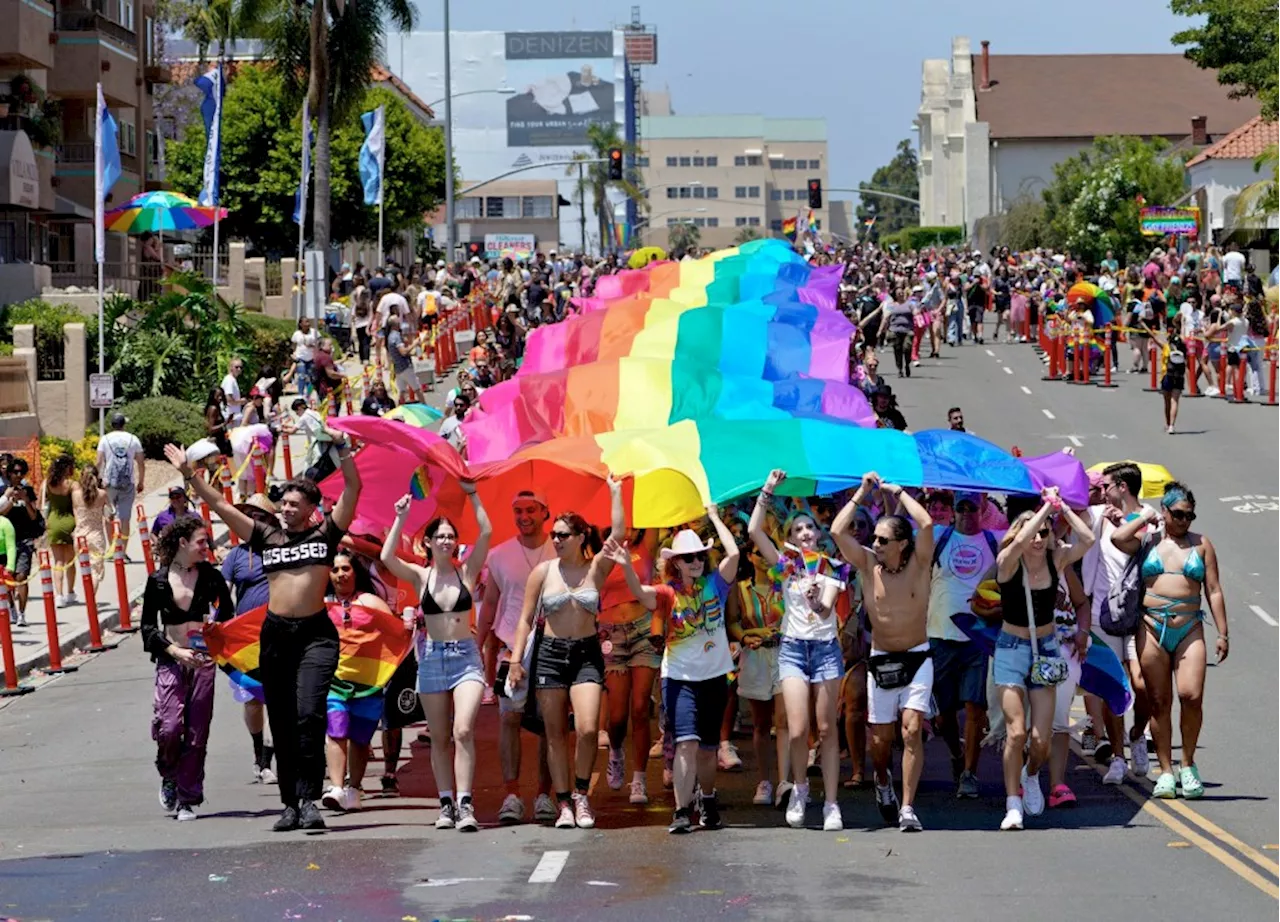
[
  {"x": 961, "y": 563},
  {"x": 1237, "y": 333},
  {"x": 304, "y": 345},
  {"x": 1104, "y": 563},
  {"x": 1233, "y": 267},
  {"x": 389, "y": 300},
  {"x": 235, "y": 404},
  {"x": 1192, "y": 320},
  {"x": 510, "y": 564},
  {"x": 123, "y": 446}
]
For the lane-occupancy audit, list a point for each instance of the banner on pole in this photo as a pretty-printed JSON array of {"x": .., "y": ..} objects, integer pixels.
[
  {"x": 1163, "y": 220},
  {"x": 214, "y": 89},
  {"x": 300, "y": 197},
  {"x": 106, "y": 170},
  {"x": 371, "y": 154}
]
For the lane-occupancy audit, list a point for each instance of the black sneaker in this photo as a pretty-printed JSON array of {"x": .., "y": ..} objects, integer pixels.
[
  {"x": 288, "y": 820},
  {"x": 390, "y": 785},
  {"x": 1102, "y": 755},
  {"x": 709, "y": 815},
  {"x": 309, "y": 817},
  {"x": 887, "y": 802},
  {"x": 169, "y": 796},
  {"x": 681, "y": 823}
]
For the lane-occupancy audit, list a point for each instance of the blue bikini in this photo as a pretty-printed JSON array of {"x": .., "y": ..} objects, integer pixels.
[{"x": 1193, "y": 569}]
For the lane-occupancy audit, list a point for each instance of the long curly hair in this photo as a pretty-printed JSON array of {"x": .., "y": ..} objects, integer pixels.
[
  {"x": 90, "y": 483},
  {"x": 180, "y": 529}
]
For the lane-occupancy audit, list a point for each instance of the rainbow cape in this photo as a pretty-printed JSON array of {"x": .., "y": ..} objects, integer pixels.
[{"x": 372, "y": 646}]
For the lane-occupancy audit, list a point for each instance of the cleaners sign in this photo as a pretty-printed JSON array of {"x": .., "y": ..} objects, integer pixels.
[{"x": 515, "y": 246}]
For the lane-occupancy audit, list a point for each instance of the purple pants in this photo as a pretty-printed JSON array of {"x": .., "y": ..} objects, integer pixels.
[{"x": 180, "y": 727}]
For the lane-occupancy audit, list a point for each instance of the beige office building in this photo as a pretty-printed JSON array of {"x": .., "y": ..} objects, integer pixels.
[{"x": 728, "y": 173}]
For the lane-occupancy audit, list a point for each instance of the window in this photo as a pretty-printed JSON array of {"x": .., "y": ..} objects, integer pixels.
[
  {"x": 672, "y": 192},
  {"x": 149, "y": 38},
  {"x": 642, "y": 162},
  {"x": 818, "y": 224},
  {"x": 507, "y": 206},
  {"x": 713, "y": 222},
  {"x": 753, "y": 160},
  {"x": 120, "y": 12},
  {"x": 753, "y": 222},
  {"x": 815, "y": 164},
  {"x": 788, "y": 164},
  {"x": 699, "y": 192},
  {"x": 775, "y": 195},
  {"x": 685, "y": 192},
  {"x": 739, "y": 161},
  {"x": 699, "y": 161},
  {"x": 789, "y": 194},
  {"x": 672, "y": 222},
  {"x": 753, "y": 191},
  {"x": 686, "y": 161},
  {"x": 775, "y": 224},
  {"x": 713, "y": 191},
  {"x": 671, "y": 161},
  {"x": 739, "y": 191},
  {"x": 535, "y": 206},
  {"x": 713, "y": 161},
  {"x": 128, "y": 135},
  {"x": 699, "y": 222},
  {"x": 469, "y": 208},
  {"x": 739, "y": 222}
]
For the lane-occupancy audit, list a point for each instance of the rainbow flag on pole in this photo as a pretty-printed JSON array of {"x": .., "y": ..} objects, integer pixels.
[
  {"x": 789, "y": 228},
  {"x": 813, "y": 223}
]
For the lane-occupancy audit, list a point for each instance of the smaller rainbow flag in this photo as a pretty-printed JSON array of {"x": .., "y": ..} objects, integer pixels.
[
  {"x": 869, "y": 222},
  {"x": 789, "y": 228},
  {"x": 813, "y": 223},
  {"x": 420, "y": 483}
]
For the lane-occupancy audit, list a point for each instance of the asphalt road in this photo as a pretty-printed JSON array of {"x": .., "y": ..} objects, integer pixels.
[{"x": 82, "y": 837}]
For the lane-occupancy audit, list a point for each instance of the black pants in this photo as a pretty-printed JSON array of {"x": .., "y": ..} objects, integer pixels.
[
  {"x": 362, "y": 343},
  {"x": 297, "y": 661},
  {"x": 902, "y": 351}
]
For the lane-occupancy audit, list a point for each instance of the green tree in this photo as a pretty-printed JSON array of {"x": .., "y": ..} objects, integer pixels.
[
  {"x": 1260, "y": 199},
  {"x": 331, "y": 64},
  {"x": 261, "y": 149},
  {"x": 683, "y": 236},
  {"x": 901, "y": 177},
  {"x": 1022, "y": 226},
  {"x": 1238, "y": 39},
  {"x": 1093, "y": 203},
  {"x": 745, "y": 235},
  {"x": 217, "y": 23},
  {"x": 595, "y": 176}
]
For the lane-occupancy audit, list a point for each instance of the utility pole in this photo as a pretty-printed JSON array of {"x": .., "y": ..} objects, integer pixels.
[{"x": 582, "y": 208}]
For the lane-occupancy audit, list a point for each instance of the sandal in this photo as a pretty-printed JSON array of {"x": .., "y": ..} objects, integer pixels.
[
  {"x": 1061, "y": 796},
  {"x": 856, "y": 783},
  {"x": 1166, "y": 787},
  {"x": 1192, "y": 788}
]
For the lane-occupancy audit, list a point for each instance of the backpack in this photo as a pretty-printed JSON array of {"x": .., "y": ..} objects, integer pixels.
[
  {"x": 941, "y": 543},
  {"x": 119, "y": 472},
  {"x": 1122, "y": 608}
]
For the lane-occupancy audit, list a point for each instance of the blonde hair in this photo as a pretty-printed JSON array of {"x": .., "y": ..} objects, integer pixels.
[
  {"x": 1015, "y": 528},
  {"x": 90, "y": 483}
]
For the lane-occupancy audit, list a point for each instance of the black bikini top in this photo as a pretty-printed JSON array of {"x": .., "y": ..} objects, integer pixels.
[{"x": 431, "y": 607}]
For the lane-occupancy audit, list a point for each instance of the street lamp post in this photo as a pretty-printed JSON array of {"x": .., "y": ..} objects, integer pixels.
[
  {"x": 448, "y": 141},
  {"x": 500, "y": 90}
]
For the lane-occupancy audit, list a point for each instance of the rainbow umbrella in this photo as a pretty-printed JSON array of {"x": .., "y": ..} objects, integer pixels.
[
  {"x": 1098, "y": 301},
  {"x": 160, "y": 212},
  {"x": 418, "y": 415}
]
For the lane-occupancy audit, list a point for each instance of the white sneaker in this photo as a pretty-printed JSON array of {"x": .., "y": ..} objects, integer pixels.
[
  {"x": 1032, "y": 796},
  {"x": 333, "y": 798},
  {"x": 267, "y": 776},
  {"x": 512, "y": 810},
  {"x": 582, "y": 814},
  {"x": 639, "y": 796},
  {"x": 616, "y": 770},
  {"x": 832, "y": 821},
  {"x": 1012, "y": 820},
  {"x": 1115, "y": 773},
  {"x": 350, "y": 798},
  {"x": 908, "y": 821},
  {"x": 764, "y": 794},
  {"x": 544, "y": 808},
  {"x": 727, "y": 759},
  {"x": 796, "y": 806},
  {"x": 1141, "y": 757},
  {"x": 781, "y": 797},
  {"x": 186, "y": 813},
  {"x": 565, "y": 820}
]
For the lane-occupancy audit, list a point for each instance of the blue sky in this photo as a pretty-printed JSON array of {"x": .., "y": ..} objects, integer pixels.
[{"x": 857, "y": 64}]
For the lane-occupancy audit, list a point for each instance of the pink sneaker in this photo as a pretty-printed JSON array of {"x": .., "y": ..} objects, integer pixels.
[{"x": 1061, "y": 796}]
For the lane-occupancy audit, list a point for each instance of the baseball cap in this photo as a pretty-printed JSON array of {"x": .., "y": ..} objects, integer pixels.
[
  {"x": 534, "y": 495},
  {"x": 118, "y": 419},
  {"x": 176, "y": 490},
  {"x": 968, "y": 496}
]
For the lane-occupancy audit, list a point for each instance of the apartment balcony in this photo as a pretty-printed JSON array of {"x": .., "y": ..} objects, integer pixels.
[
  {"x": 92, "y": 48},
  {"x": 27, "y": 41}
]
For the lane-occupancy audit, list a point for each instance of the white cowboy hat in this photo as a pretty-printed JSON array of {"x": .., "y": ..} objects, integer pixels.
[{"x": 686, "y": 542}]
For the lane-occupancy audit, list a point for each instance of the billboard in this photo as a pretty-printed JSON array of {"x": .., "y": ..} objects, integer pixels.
[
  {"x": 516, "y": 246},
  {"x": 1163, "y": 220},
  {"x": 564, "y": 84}
]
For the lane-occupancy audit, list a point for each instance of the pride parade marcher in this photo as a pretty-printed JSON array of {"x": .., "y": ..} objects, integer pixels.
[
  {"x": 450, "y": 673},
  {"x": 299, "y": 644}
]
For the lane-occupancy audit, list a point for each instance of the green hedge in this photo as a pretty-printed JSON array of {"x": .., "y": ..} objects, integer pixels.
[
  {"x": 916, "y": 238},
  {"x": 270, "y": 346},
  {"x": 48, "y": 319},
  {"x": 157, "y": 421}
]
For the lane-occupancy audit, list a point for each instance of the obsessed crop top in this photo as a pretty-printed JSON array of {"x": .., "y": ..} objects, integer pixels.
[{"x": 288, "y": 550}]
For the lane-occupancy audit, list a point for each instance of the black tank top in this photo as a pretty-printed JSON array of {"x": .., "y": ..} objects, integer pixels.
[
  {"x": 430, "y": 607},
  {"x": 1013, "y": 598}
]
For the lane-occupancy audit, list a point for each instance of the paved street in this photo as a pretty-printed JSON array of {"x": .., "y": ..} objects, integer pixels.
[{"x": 83, "y": 837}]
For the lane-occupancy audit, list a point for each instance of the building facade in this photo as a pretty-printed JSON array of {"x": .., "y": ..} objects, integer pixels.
[{"x": 729, "y": 174}]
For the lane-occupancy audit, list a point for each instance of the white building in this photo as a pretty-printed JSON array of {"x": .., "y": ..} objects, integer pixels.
[
  {"x": 992, "y": 127},
  {"x": 1220, "y": 171}
]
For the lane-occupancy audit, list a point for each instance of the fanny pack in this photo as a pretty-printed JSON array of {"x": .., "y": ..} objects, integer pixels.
[{"x": 895, "y": 670}]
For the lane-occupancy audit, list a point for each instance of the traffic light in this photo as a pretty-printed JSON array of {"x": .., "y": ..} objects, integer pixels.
[
  {"x": 615, "y": 163},
  {"x": 815, "y": 193}
]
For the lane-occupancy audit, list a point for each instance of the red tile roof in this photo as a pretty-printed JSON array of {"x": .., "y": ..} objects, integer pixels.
[
  {"x": 380, "y": 74},
  {"x": 1245, "y": 143},
  {"x": 1043, "y": 96}
]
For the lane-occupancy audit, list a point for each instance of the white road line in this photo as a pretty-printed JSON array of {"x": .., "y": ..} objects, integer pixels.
[
  {"x": 1008, "y": 370},
  {"x": 990, "y": 353},
  {"x": 1026, "y": 390},
  {"x": 1264, "y": 616},
  {"x": 1048, "y": 414},
  {"x": 549, "y": 867}
]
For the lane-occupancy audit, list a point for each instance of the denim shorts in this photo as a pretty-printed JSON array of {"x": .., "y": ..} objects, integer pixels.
[
  {"x": 695, "y": 710},
  {"x": 812, "y": 660},
  {"x": 630, "y": 645},
  {"x": 959, "y": 674},
  {"x": 1012, "y": 663},
  {"x": 562, "y": 662},
  {"x": 443, "y": 665}
]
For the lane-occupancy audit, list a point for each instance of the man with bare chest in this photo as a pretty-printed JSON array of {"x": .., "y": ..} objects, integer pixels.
[{"x": 896, "y": 573}]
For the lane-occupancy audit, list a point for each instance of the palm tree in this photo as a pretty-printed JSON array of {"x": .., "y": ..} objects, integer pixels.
[
  {"x": 332, "y": 64},
  {"x": 220, "y": 22},
  {"x": 745, "y": 235},
  {"x": 683, "y": 236},
  {"x": 1260, "y": 199},
  {"x": 603, "y": 137}
]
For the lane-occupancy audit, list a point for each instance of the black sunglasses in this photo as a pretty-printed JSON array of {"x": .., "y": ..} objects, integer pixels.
[
  {"x": 881, "y": 539},
  {"x": 561, "y": 535},
  {"x": 693, "y": 558},
  {"x": 1043, "y": 533},
  {"x": 1179, "y": 516}
]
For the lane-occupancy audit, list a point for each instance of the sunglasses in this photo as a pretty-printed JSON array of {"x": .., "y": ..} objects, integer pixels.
[
  {"x": 1179, "y": 516},
  {"x": 446, "y": 537},
  {"x": 561, "y": 535},
  {"x": 1044, "y": 532},
  {"x": 966, "y": 507},
  {"x": 879, "y": 540},
  {"x": 693, "y": 558}
]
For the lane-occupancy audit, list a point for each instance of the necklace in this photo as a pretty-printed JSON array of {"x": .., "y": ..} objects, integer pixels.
[
  {"x": 531, "y": 562},
  {"x": 892, "y": 571}
]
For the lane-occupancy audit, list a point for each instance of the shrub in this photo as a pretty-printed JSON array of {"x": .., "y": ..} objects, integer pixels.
[
  {"x": 49, "y": 319},
  {"x": 916, "y": 238},
  {"x": 269, "y": 346},
  {"x": 84, "y": 451},
  {"x": 157, "y": 421}
]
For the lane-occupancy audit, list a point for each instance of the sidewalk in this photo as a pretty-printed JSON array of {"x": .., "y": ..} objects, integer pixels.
[{"x": 31, "y": 644}]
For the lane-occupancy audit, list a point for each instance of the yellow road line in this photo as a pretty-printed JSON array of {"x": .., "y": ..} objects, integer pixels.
[{"x": 1214, "y": 830}]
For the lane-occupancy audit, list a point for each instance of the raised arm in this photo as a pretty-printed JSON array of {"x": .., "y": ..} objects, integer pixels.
[
  {"x": 729, "y": 562},
  {"x": 1008, "y": 560},
  {"x": 236, "y": 520},
  {"x": 1084, "y": 538},
  {"x": 402, "y": 570},
  {"x": 919, "y": 515},
  {"x": 1126, "y": 536},
  {"x": 842, "y": 527},
  {"x": 524, "y": 627},
  {"x": 755, "y": 528},
  {"x": 621, "y": 555},
  {"x": 345, "y": 509},
  {"x": 602, "y": 564},
  {"x": 480, "y": 550}
]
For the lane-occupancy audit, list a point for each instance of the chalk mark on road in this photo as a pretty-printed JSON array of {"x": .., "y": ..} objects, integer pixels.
[{"x": 549, "y": 867}]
